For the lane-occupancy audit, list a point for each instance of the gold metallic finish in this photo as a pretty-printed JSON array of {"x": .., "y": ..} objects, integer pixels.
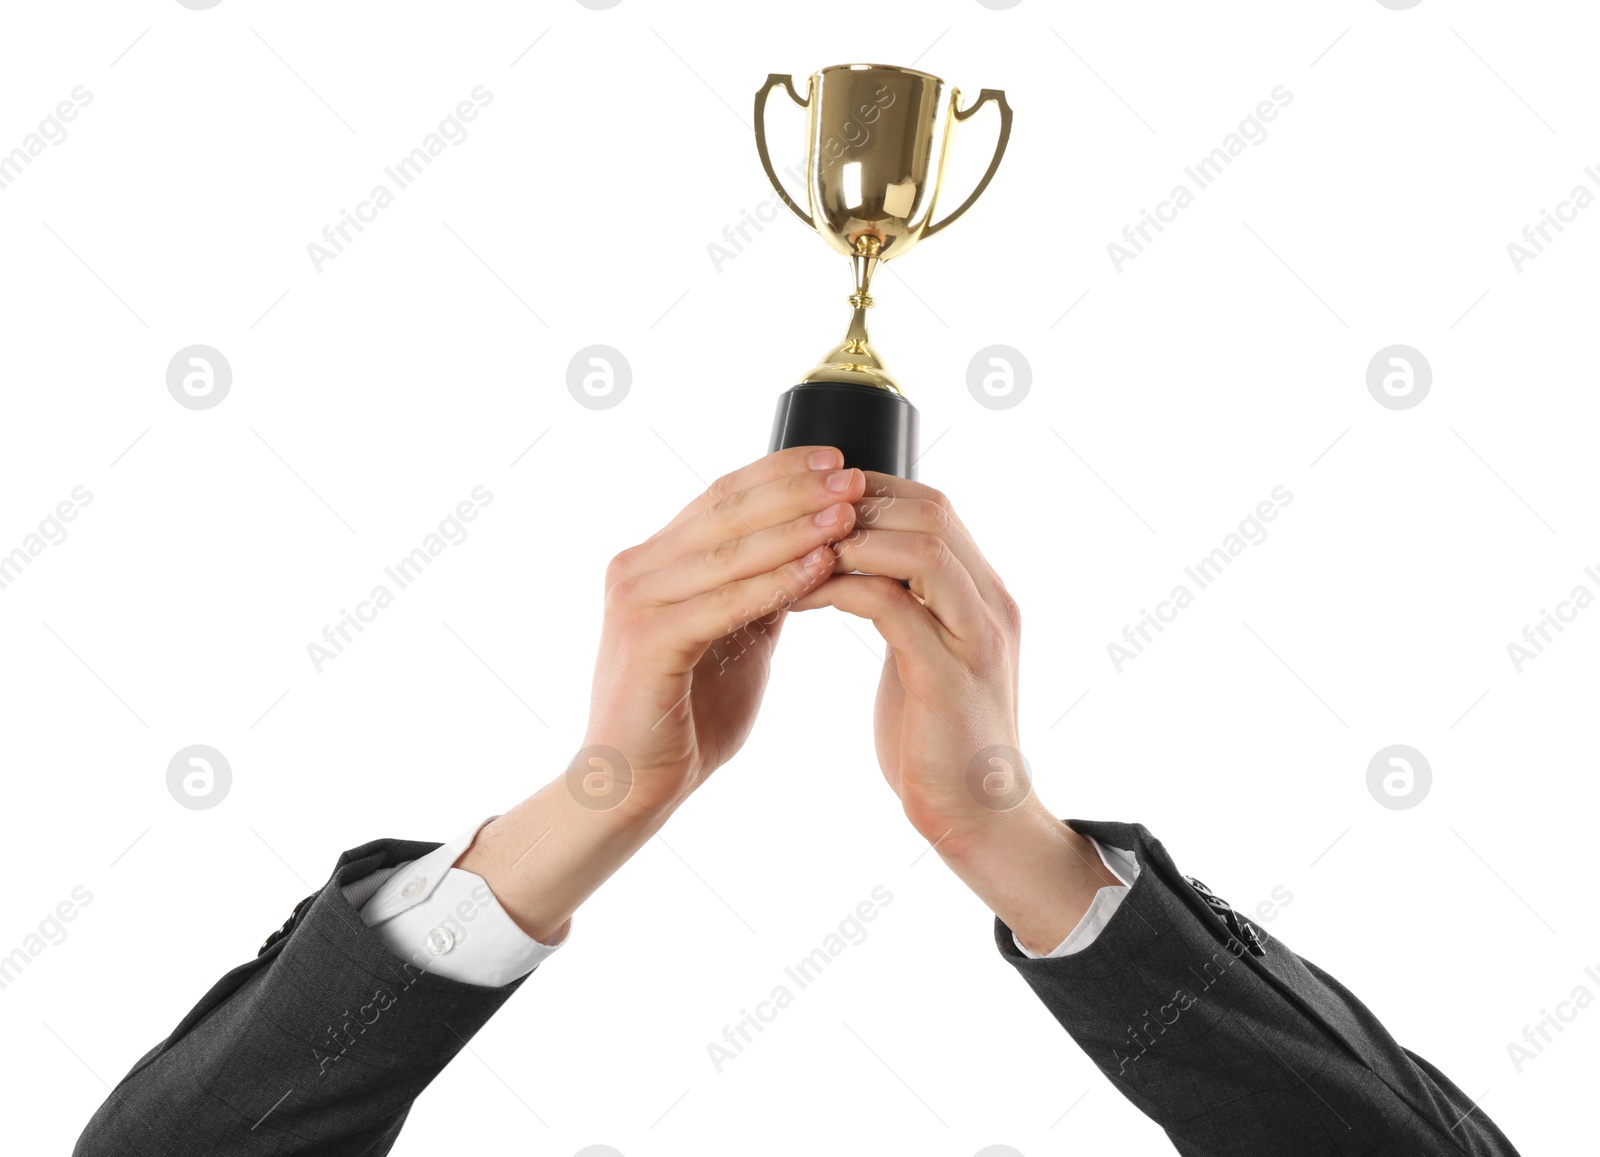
[{"x": 877, "y": 138}]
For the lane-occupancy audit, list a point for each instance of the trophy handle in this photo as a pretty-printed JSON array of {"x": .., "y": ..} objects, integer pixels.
[
  {"x": 787, "y": 81},
  {"x": 984, "y": 97}
]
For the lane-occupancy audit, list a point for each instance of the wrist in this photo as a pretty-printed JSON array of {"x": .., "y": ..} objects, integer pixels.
[
  {"x": 637, "y": 783},
  {"x": 547, "y": 855},
  {"x": 1033, "y": 871},
  {"x": 988, "y": 847},
  {"x": 978, "y": 834}
]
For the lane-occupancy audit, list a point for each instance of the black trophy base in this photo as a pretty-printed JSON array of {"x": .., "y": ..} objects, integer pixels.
[{"x": 876, "y": 428}]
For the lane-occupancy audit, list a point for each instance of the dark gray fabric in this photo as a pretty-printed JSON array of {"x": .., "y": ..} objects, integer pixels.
[
  {"x": 1236, "y": 1054},
  {"x": 321, "y": 1043},
  {"x": 318, "y": 1045}
]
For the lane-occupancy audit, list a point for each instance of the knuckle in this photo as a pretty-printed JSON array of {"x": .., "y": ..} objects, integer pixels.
[
  {"x": 722, "y": 556},
  {"x": 931, "y": 551},
  {"x": 622, "y": 566},
  {"x": 622, "y": 594},
  {"x": 882, "y": 595},
  {"x": 1010, "y": 611},
  {"x": 891, "y": 593},
  {"x": 726, "y": 599},
  {"x": 989, "y": 652},
  {"x": 724, "y": 508},
  {"x": 938, "y": 516}
]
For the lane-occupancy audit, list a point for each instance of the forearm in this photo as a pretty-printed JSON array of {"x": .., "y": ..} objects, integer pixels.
[
  {"x": 1191, "y": 1011},
  {"x": 318, "y": 1045},
  {"x": 1033, "y": 871},
  {"x": 547, "y": 855}
]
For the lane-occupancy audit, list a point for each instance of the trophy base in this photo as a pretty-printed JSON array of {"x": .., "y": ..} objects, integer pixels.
[{"x": 874, "y": 427}]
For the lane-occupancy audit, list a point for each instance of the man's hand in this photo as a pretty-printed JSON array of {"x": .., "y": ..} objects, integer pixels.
[
  {"x": 946, "y": 715},
  {"x": 691, "y": 617},
  {"x": 693, "y": 614}
]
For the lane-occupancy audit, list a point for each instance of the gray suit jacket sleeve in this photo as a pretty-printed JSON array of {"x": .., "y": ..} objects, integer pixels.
[
  {"x": 1233, "y": 1044},
  {"x": 318, "y": 1045}
]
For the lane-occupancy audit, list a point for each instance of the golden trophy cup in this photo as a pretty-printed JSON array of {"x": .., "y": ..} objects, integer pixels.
[{"x": 877, "y": 138}]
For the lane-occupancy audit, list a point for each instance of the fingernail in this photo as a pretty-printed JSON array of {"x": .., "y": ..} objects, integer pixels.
[
  {"x": 829, "y": 516},
  {"x": 814, "y": 559},
  {"x": 822, "y": 459},
  {"x": 839, "y": 480}
]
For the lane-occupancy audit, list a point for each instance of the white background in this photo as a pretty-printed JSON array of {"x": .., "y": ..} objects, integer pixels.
[{"x": 372, "y": 396}]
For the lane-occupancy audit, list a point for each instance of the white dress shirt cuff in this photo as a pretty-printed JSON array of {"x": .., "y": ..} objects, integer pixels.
[
  {"x": 1124, "y": 866},
  {"x": 445, "y": 919}
]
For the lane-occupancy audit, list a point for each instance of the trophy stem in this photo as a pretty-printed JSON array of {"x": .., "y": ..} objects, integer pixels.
[
  {"x": 854, "y": 361},
  {"x": 855, "y": 338},
  {"x": 864, "y": 265}
]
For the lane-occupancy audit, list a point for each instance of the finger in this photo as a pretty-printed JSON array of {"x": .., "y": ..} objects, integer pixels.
[
  {"x": 893, "y": 503},
  {"x": 905, "y": 624},
  {"x": 748, "y": 555},
  {"x": 928, "y": 563},
  {"x": 719, "y": 526},
  {"x": 697, "y": 622},
  {"x": 782, "y": 463}
]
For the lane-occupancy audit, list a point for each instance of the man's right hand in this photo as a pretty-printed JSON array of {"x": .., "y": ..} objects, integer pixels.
[{"x": 693, "y": 613}]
